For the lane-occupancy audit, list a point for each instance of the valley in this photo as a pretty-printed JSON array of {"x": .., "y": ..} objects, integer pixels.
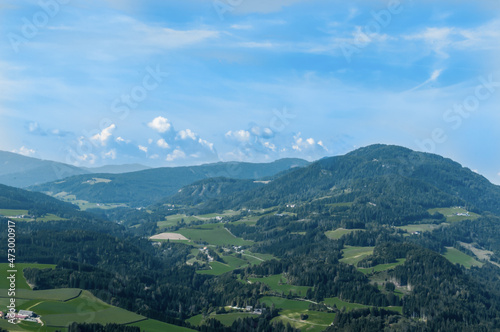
[{"x": 345, "y": 243}]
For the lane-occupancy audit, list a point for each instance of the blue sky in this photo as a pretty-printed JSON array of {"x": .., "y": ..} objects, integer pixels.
[{"x": 167, "y": 83}]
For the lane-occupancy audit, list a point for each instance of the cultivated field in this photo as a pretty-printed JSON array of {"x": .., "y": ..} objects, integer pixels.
[
  {"x": 338, "y": 233},
  {"x": 292, "y": 309},
  {"x": 454, "y": 214},
  {"x": 214, "y": 234},
  {"x": 457, "y": 257},
  {"x": 279, "y": 283},
  {"x": 168, "y": 236},
  {"x": 352, "y": 255}
]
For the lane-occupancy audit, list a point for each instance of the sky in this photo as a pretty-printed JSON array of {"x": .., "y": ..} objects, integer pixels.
[{"x": 169, "y": 83}]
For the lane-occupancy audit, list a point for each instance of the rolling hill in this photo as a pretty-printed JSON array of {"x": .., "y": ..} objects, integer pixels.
[
  {"x": 388, "y": 177},
  {"x": 20, "y": 171},
  {"x": 145, "y": 187}
]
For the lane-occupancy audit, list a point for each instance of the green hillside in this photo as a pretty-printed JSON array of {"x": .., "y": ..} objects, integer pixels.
[{"x": 146, "y": 187}]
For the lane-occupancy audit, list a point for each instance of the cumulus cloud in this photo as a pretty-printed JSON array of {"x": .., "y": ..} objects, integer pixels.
[
  {"x": 162, "y": 143},
  {"x": 104, "y": 135},
  {"x": 301, "y": 144},
  {"x": 111, "y": 154},
  {"x": 185, "y": 134},
  {"x": 143, "y": 148},
  {"x": 176, "y": 154},
  {"x": 25, "y": 151},
  {"x": 160, "y": 124},
  {"x": 187, "y": 144},
  {"x": 239, "y": 135}
]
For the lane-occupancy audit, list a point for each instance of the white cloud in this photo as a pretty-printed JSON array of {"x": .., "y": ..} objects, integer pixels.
[
  {"x": 434, "y": 76},
  {"x": 111, "y": 154},
  {"x": 206, "y": 144},
  {"x": 176, "y": 154},
  {"x": 160, "y": 124},
  {"x": 104, "y": 135},
  {"x": 143, "y": 148},
  {"x": 241, "y": 27},
  {"x": 162, "y": 37},
  {"x": 33, "y": 126},
  {"x": 270, "y": 146},
  {"x": 120, "y": 139},
  {"x": 25, "y": 151},
  {"x": 301, "y": 144},
  {"x": 89, "y": 158},
  {"x": 240, "y": 135},
  {"x": 184, "y": 134},
  {"x": 162, "y": 144},
  {"x": 262, "y": 132}
]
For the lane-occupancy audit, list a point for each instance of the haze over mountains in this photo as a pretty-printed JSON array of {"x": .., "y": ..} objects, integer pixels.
[
  {"x": 20, "y": 171},
  {"x": 146, "y": 187}
]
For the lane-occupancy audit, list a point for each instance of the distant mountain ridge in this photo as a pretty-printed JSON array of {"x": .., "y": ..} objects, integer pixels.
[
  {"x": 20, "y": 171},
  {"x": 145, "y": 187},
  {"x": 117, "y": 169}
]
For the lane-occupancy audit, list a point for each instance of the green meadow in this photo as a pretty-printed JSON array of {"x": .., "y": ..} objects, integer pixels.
[
  {"x": 352, "y": 255},
  {"x": 457, "y": 257},
  {"x": 451, "y": 214},
  {"x": 214, "y": 234},
  {"x": 279, "y": 283},
  {"x": 338, "y": 233}
]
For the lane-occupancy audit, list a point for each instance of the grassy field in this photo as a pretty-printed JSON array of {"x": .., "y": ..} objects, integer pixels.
[
  {"x": 382, "y": 267},
  {"x": 175, "y": 218},
  {"x": 20, "y": 281},
  {"x": 335, "y": 301},
  {"x": 352, "y": 255},
  {"x": 451, "y": 214},
  {"x": 11, "y": 213},
  {"x": 280, "y": 284},
  {"x": 214, "y": 234},
  {"x": 456, "y": 256},
  {"x": 419, "y": 228},
  {"x": 60, "y": 307},
  {"x": 84, "y": 205},
  {"x": 292, "y": 309},
  {"x": 151, "y": 325},
  {"x": 338, "y": 233},
  {"x": 231, "y": 262}
]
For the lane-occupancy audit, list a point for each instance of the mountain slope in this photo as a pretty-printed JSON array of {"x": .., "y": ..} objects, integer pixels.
[
  {"x": 148, "y": 186},
  {"x": 20, "y": 171},
  {"x": 36, "y": 203},
  {"x": 387, "y": 177},
  {"x": 117, "y": 169}
]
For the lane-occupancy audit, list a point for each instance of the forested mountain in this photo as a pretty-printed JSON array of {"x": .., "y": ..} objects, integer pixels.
[
  {"x": 35, "y": 203},
  {"x": 381, "y": 239},
  {"x": 378, "y": 178},
  {"x": 145, "y": 187},
  {"x": 20, "y": 171}
]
